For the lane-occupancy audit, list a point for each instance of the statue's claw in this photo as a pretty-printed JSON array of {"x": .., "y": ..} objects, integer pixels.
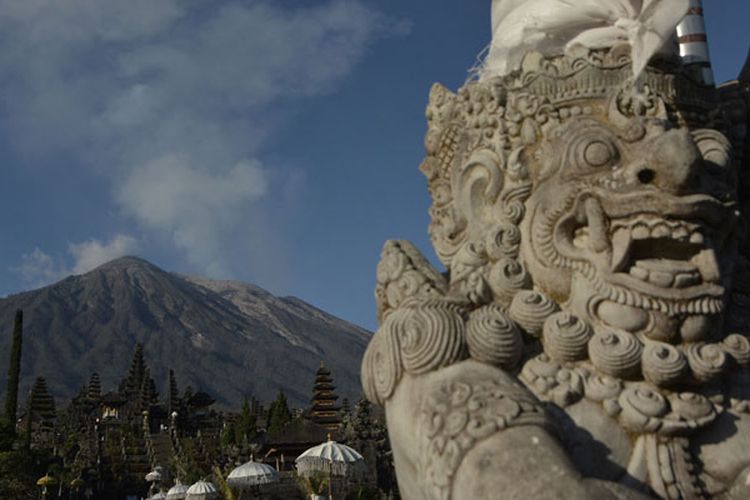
[{"x": 403, "y": 273}]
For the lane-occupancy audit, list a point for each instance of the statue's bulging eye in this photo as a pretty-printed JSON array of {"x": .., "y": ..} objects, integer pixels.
[
  {"x": 592, "y": 151},
  {"x": 598, "y": 153}
]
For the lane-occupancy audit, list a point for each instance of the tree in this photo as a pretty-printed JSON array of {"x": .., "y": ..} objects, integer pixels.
[
  {"x": 228, "y": 436},
  {"x": 19, "y": 471},
  {"x": 346, "y": 408},
  {"x": 14, "y": 371},
  {"x": 279, "y": 414},
  {"x": 7, "y": 435},
  {"x": 224, "y": 487},
  {"x": 246, "y": 423},
  {"x": 174, "y": 393},
  {"x": 368, "y": 434}
]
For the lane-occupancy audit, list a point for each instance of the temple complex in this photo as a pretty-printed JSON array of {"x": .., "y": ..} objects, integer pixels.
[{"x": 110, "y": 439}]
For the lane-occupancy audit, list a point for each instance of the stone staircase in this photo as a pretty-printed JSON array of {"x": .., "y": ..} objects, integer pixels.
[
  {"x": 161, "y": 450},
  {"x": 209, "y": 446}
]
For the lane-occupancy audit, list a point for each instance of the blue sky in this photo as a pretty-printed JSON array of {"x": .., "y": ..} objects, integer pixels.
[{"x": 275, "y": 142}]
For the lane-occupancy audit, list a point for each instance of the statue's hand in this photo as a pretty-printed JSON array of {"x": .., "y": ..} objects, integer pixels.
[
  {"x": 404, "y": 274},
  {"x": 472, "y": 431}
]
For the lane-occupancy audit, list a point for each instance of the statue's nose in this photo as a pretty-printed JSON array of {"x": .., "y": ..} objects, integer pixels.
[{"x": 672, "y": 163}]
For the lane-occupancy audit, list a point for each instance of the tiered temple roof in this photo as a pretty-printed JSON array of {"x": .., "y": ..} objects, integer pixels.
[{"x": 324, "y": 410}]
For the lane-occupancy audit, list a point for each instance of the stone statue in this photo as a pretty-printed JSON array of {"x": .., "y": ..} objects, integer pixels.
[{"x": 589, "y": 338}]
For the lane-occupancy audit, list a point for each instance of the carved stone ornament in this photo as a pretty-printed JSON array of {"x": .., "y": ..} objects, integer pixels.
[{"x": 589, "y": 338}]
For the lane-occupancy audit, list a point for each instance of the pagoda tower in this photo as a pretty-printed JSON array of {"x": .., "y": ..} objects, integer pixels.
[
  {"x": 94, "y": 390},
  {"x": 324, "y": 410},
  {"x": 41, "y": 402}
]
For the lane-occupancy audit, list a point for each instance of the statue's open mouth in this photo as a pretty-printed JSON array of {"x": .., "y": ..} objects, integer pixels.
[
  {"x": 661, "y": 247},
  {"x": 666, "y": 254}
]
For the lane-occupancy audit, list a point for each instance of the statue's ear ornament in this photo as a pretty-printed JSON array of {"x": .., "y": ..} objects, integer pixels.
[{"x": 477, "y": 184}]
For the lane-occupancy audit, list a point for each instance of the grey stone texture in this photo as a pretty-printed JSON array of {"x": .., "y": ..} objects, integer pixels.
[{"x": 589, "y": 338}]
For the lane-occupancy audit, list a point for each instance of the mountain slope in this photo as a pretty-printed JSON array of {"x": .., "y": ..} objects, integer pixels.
[{"x": 228, "y": 338}]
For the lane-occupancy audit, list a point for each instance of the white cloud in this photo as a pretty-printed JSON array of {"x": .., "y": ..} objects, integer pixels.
[
  {"x": 195, "y": 206},
  {"x": 93, "y": 253},
  {"x": 173, "y": 99},
  {"x": 38, "y": 269}
]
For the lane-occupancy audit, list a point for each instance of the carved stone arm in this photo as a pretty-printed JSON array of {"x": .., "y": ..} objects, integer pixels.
[
  {"x": 459, "y": 427},
  {"x": 471, "y": 431}
]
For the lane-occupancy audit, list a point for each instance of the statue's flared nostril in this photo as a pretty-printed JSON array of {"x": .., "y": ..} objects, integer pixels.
[{"x": 646, "y": 176}]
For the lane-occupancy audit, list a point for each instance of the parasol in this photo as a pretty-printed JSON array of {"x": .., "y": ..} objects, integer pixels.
[
  {"x": 153, "y": 476},
  {"x": 202, "y": 490},
  {"x": 252, "y": 474},
  {"x": 333, "y": 458},
  {"x": 177, "y": 492},
  {"x": 45, "y": 482}
]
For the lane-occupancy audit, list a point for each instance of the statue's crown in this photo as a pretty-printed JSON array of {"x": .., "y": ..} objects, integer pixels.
[{"x": 596, "y": 74}]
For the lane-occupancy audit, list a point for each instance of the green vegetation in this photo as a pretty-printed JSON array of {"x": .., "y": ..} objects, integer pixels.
[
  {"x": 221, "y": 483},
  {"x": 14, "y": 370},
  {"x": 278, "y": 414},
  {"x": 19, "y": 471},
  {"x": 20, "y": 467},
  {"x": 186, "y": 465},
  {"x": 246, "y": 424},
  {"x": 315, "y": 484},
  {"x": 108, "y": 442}
]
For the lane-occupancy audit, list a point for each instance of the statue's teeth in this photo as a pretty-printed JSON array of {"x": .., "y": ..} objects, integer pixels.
[
  {"x": 641, "y": 232},
  {"x": 663, "y": 306},
  {"x": 639, "y": 273},
  {"x": 716, "y": 306},
  {"x": 661, "y": 279},
  {"x": 629, "y": 298},
  {"x": 697, "y": 238},
  {"x": 680, "y": 233},
  {"x": 660, "y": 231}
]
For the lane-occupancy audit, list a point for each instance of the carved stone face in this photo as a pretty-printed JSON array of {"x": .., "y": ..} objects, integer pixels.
[{"x": 629, "y": 224}]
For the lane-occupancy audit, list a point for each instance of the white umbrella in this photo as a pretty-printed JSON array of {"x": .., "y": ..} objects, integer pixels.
[
  {"x": 252, "y": 474},
  {"x": 153, "y": 476},
  {"x": 202, "y": 490},
  {"x": 177, "y": 492},
  {"x": 331, "y": 457}
]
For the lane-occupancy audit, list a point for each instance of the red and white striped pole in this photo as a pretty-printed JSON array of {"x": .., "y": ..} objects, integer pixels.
[{"x": 691, "y": 35}]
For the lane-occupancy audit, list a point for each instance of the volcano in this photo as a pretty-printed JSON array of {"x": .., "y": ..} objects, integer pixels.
[{"x": 227, "y": 338}]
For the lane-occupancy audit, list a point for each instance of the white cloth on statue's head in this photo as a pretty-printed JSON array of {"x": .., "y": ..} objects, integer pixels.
[{"x": 553, "y": 26}]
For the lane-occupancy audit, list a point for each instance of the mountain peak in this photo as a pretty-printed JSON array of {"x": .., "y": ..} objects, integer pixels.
[
  {"x": 126, "y": 261},
  {"x": 227, "y": 338}
]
